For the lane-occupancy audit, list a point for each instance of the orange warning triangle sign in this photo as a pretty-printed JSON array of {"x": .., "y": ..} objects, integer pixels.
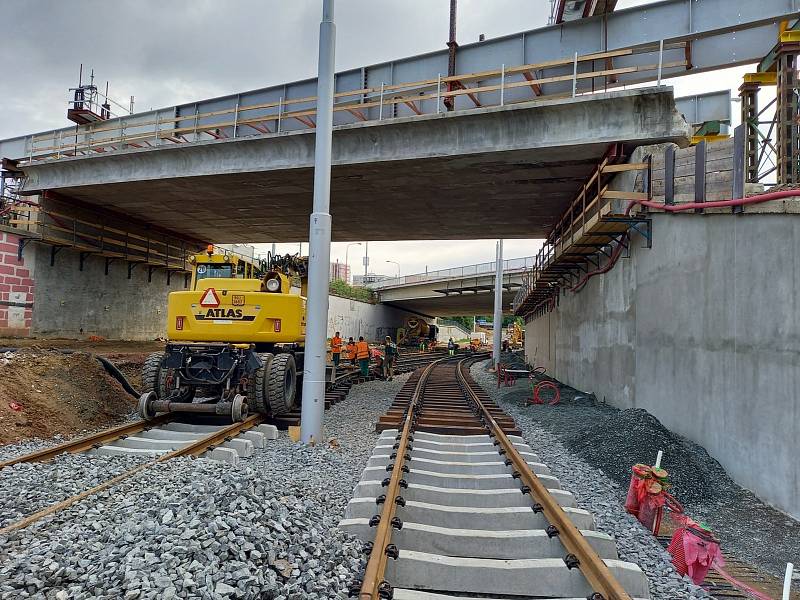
[{"x": 209, "y": 298}]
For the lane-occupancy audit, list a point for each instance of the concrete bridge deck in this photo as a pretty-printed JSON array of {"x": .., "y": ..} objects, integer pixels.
[{"x": 518, "y": 165}]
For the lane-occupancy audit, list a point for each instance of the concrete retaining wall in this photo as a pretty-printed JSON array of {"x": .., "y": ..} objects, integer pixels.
[
  {"x": 75, "y": 304},
  {"x": 353, "y": 319},
  {"x": 703, "y": 331}
]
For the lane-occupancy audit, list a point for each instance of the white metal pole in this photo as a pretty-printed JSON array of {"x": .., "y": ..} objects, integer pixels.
[
  {"x": 575, "y": 76},
  {"x": 502, "y": 84},
  {"x": 280, "y": 110},
  {"x": 498, "y": 305},
  {"x": 787, "y": 581},
  {"x": 380, "y": 110},
  {"x": 319, "y": 237},
  {"x": 660, "y": 60},
  {"x": 439, "y": 94}
]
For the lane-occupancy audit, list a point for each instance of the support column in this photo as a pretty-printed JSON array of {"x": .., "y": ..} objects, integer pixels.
[
  {"x": 319, "y": 237},
  {"x": 498, "y": 305},
  {"x": 748, "y": 93},
  {"x": 788, "y": 128}
]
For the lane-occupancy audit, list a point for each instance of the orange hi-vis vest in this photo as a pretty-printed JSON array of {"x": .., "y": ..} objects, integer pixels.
[
  {"x": 336, "y": 345},
  {"x": 362, "y": 350},
  {"x": 351, "y": 351}
]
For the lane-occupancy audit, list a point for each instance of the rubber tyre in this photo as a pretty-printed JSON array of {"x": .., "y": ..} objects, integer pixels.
[
  {"x": 281, "y": 384},
  {"x": 257, "y": 388},
  {"x": 154, "y": 378}
]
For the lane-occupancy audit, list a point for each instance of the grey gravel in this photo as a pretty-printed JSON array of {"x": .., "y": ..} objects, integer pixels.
[
  {"x": 612, "y": 440},
  {"x": 595, "y": 492},
  {"x": 201, "y": 529}
]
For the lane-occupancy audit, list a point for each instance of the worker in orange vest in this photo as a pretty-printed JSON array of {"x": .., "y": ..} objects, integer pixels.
[
  {"x": 351, "y": 351},
  {"x": 362, "y": 354},
  {"x": 336, "y": 350}
]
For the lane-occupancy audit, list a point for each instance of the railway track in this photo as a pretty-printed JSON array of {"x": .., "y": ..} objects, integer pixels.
[
  {"x": 453, "y": 504},
  {"x": 199, "y": 445}
]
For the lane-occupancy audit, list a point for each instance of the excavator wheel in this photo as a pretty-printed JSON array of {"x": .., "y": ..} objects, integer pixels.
[
  {"x": 154, "y": 378},
  {"x": 281, "y": 384},
  {"x": 257, "y": 388}
]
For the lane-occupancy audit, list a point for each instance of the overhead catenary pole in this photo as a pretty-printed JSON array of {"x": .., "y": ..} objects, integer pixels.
[
  {"x": 498, "y": 306},
  {"x": 319, "y": 236}
]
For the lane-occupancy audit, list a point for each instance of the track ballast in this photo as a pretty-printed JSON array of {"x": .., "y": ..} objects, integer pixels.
[{"x": 453, "y": 504}]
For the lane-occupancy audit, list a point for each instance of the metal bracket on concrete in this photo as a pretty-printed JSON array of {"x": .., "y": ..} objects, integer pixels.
[
  {"x": 169, "y": 277},
  {"x": 21, "y": 246},
  {"x": 739, "y": 159},
  {"x": 108, "y": 262},
  {"x": 700, "y": 174},
  {"x": 150, "y": 270},
  {"x": 82, "y": 259},
  {"x": 669, "y": 175},
  {"x": 131, "y": 267},
  {"x": 53, "y": 251}
]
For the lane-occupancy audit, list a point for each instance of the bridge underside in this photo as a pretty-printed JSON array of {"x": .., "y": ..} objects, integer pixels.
[
  {"x": 501, "y": 171},
  {"x": 455, "y": 305}
]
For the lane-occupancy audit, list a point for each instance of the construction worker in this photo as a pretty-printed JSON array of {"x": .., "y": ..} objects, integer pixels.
[
  {"x": 362, "y": 354},
  {"x": 389, "y": 357},
  {"x": 451, "y": 347},
  {"x": 351, "y": 351},
  {"x": 336, "y": 350}
]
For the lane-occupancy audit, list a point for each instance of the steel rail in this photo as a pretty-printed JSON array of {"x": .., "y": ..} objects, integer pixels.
[
  {"x": 373, "y": 580},
  {"x": 89, "y": 441},
  {"x": 194, "y": 449},
  {"x": 590, "y": 564}
]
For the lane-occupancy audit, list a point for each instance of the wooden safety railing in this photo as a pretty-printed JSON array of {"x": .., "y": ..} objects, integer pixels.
[
  {"x": 582, "y": 229},
  {"x": 490, "y": 88}
]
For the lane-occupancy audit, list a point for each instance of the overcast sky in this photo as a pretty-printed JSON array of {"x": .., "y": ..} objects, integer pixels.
[{"x": 166, "y": 52}]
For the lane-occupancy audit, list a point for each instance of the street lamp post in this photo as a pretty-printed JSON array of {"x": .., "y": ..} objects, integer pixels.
[
  {"x": 398, "y": 267},
  {"x": 346, "y": 262},
  {"x": 319, "y": 241}
]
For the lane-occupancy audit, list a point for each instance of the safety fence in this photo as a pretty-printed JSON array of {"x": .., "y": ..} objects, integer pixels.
[
  {"x": 568, "y": 77},
  {"x": 511, "y": 265},
  {"x": 595, "y": 223}
]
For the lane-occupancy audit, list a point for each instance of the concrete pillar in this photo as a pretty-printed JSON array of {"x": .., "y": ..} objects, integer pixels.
[
  {"x": 319, "y": 238},
  {"x": 498, "y": 305}
]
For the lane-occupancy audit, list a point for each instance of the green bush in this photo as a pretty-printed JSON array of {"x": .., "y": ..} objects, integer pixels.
[{"x": 342, "y": 289}]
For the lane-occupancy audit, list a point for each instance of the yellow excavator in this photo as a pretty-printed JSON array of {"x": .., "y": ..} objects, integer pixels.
[{"x": 236, "y": 339}]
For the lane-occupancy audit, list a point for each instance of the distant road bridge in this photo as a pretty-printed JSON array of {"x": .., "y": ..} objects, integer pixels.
[{"x": 467, "y": 290}]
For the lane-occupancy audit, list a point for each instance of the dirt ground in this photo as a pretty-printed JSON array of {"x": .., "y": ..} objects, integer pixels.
[
  {"x": 102, "y": 347},
  {"x": 44, "y": 393}
]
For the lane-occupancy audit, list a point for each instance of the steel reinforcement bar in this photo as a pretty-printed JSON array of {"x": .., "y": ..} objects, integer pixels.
[
  {"x": 194, "y": 449},
  {"x": 580, "y": 553}
]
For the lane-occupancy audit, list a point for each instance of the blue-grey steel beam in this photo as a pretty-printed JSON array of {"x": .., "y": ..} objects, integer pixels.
[{"x": 701, "y": 108}]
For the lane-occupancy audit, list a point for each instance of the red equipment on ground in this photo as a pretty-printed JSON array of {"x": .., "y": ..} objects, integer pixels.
[
  {"x": 537, "y": 392},
  {"x": 694, "y": 550}
]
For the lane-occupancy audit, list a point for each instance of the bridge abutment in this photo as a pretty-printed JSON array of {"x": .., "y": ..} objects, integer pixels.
[{"x": 701, "y": 331}]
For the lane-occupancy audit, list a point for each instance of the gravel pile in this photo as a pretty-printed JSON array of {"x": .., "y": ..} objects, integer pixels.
[
  {"x": 595, "y": 492},
  {"x": 635, "y": 434},
  {"x": 613, "y": 440},
  {"x": 201, "y": 529}
]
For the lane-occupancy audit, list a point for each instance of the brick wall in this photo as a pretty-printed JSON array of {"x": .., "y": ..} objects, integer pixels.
[{"x": 16, "y": 288}]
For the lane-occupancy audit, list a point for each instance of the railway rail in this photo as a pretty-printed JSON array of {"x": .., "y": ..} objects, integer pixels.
[
  {"x": 453, "y": 503},
  {"x": 196, "y": 447}
]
